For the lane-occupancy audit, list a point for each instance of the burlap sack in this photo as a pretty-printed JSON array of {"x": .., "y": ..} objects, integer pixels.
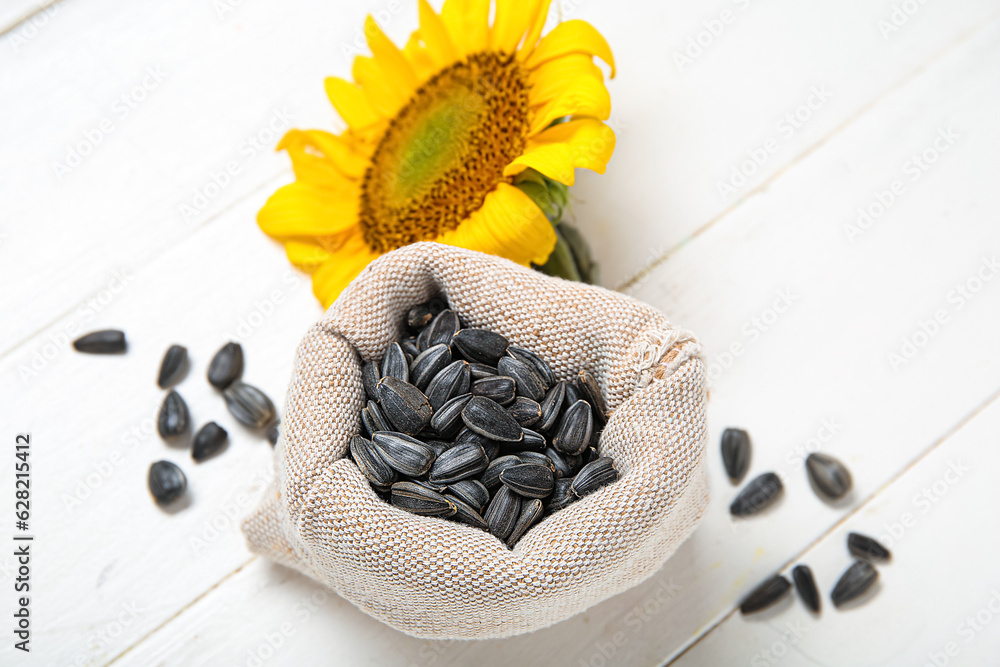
[{"x": 440, "y": 579}]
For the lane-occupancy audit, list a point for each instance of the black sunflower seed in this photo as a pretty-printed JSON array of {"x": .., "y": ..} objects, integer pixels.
[
  {"x": 423, "y": 481},
  {"x": 109, "y": 341},
  {"x": 173, "y": 367},
  {"x": 593, "y": 476},
  {"x": 273, "y": 433},
  {"x": 249, "y": 404},
  {"x": 404, "y": 405},
  {"x": 576, "y": 429},
  {"x": 370, "y": 462},
  {"x": 452, "y": 381},
  {"x": 805, "y": 584},
  {"x": 373, "y": 420},
  {"x": 467, "y": 514},
  {"x": 587, "y": 385},
  {"x": 572, "y": 394},
  {"x": 410, "y": 349},
  {"x": 403, "y": 453},
  {"x": 418, "y": 317},
  {"x": 491, "y": 476},
  {"x": 480, "y": 345},
  {"x": 447, "y": 420},
  {"x": 496, "y": 388},
  {"x": 536, "y": 362},
  {"x": 562, "y": 495},
  {"x": 436, "y": 305},
  {"x": 490, "y": 420},
  {"x": 480, "y": 371},
  {"x": 525, "y": 411},
  {"x": 866, "y": 548},
  {"x": 551, "y": 407},
  {"x": 735, "y": 453},
  {"x": 531, "y": 511},
  {"x": 370, "y": 375},
  {"x": 208, "y": 441},
  {"x": 828, "y": 475},
  {"x": 528, "y": 381},
  {"x": 173, "y": 418},
  {"x": 533, "y": 441},
  {"x": 430, "y": 362},
  {"x": 418, "y": 499},
  {"x": 854, "y": 582},
  {"x": 503, "y": 512},
  {"x": 472, "y": 492},
  {"x": 442, "y": 328},
  {"x": 438, "y": 446},
  {"x": 394, "y": 363},
  {"x": 538, "y": 459},
  {"x": 166, "y": 482},
  {"x": 528, "y": 480},
  {"x": 458, "y": 463},
  {"x": 226, "y": 366},
  {"x": 758, "y": 494},
  {"x": 765, "y": 595},
  {"x": 561, "y": 464}
]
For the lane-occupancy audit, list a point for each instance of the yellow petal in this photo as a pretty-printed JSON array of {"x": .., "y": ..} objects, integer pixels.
[
  {"x": 301, "y": 209},
  {"x": 310, "y": 162},
  {"x": 467, "y": 22},
  {"x": 391, "y": 61},
  {"x": 584, "y": 96},
  {"x": 534, "y": 29},
  {"x": 513, "y": 17},
  {"x": 552, "y": 78},
  {"x": 381, "y": 94},
  {"x": 351, "y": 103},
  {"x": 350, "y": 157},
  {"x": 306, "y": 256},
  {"x": 509, "y": 224},
  {"x": 330, "y": 279},
  {"x": 423, "y": 64},
  {"x": 574, "y": 36},
  {"x": 435, "y": 36},
  {"x": 584, "y": 143},
  {"x": 553, "y": 160}
]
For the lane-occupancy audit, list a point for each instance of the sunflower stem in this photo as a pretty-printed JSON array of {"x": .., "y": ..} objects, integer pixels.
[{"x": 561, "y": 263}]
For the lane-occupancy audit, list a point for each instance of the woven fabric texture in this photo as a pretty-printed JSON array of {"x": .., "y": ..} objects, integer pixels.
[{"x": 440, "y": 579}]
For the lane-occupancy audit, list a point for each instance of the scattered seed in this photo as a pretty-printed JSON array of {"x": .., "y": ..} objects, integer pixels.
[
  {"x": 371, "y": 463},
  {"x": 858, "y": 578},
  {"x": 496, "y": 388},
  {"x": 208, "y": 441},
  {"x": 226, "y": 366},
  {"x": 249, "y": 404},
  {"x": 593, "y": 476},
  {"x": 536, "y": 363},
  {"x": 430, "y": 362},
  {"x": 528, "y": 480},
  {"x": 735, "y": 453},
  {"x": 403, "y": 453},
  {"x": 828, "y": 475},
  {"x": 866, "y": 548},
  {"x": 528, "y": 381},
  {"x": 404, "y": 405},
  {"x": 480, "y": 345},
  {"x": 420, "y": 500},
  {"x": 447, "y": 420},
  {"x": 766, "y": 594},
  {"x": 575, "y": 429},
  {"x": 166, "y": 482},
  {"x": 757, "y": 495},
  {"x": 805, "y": 584},
  {"x": 173, "y": 367},
  {"x": 109, "y": 341},
  {"x": 503, "y": 512},
  {"x": 488, "y": 419},
  {"x": 174, "y": 417},
  {"x": 394, "y": 363},
  {"x": 472, "y": 492},
  {"x": 458, "y": 463}
]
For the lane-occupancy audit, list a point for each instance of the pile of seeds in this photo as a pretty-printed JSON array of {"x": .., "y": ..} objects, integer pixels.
[{"x": 461, "y": 424}]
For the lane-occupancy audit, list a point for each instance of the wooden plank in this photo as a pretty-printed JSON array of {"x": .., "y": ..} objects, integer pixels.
[{"x": 820, "y": 376}]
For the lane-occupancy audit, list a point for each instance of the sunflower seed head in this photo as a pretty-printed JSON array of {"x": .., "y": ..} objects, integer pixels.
[
  {"x": 525, "y": 411},
  {"x": 593, "y": 476},
  {"x": 503, "y": 512},
  {"x": 491, "y": 476},
  {"x": 490, "y": 420},
  {"x": 528, "y": 382},
  {"x": 854, "y": 582},
  {"x": 458, "y": 463},
  {"x": 370, "y": 375},
  {"x": 173, "y": 367},
  {"x": 735, "y": 453},
  {"x": 418, "y": 499},
  {"x": 760, "y": 493},
  {"x": 404, "y": 405},
  {"x": 370, "y": 462},
  {"x": 373, "y": 420},
  {"x": 430, "y": 362},
  {"x": 249, "y": 404},
  {"x": 535, "y": 362},
  {"x": 472, "y": 492},
  {"x": 866, "y": 548},
  {"x": 394, "y": 363},
  {"x": 765, "y": 594},
  {"x": 805, "y": 584},
  {"x": 226, "y": 366},
  {"x": 418, "y": 317},
  {"x": 551, "y": 407},
  {"x": 828, "y": 475},
  {"x": 467, "y": 514},
  {"x": 587, "y": 385},
  {"x": 480, "y": 371},
  {"x": 403, "y": 453},
  {"x": 208, "y": 441},
  {"x": 442, "y": 328},
  {"x": 531, "y": 511},
  {"x": 174, "y": 417},
  {"x": 166, "y": 482},
  {"x": 576, "y": 429},
  {"x": 528, "y": 480},
  {"x": 480, "y": 345},
  {"x": 453, "y": 380},
  {"x": 447, "y": 420},
  {"x": 496, "y": 388},
  {"x": 109, "y": 341}
]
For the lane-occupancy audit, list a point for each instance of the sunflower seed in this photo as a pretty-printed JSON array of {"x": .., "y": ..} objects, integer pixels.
[
  {"x": 427, "y": 484},
  {"x": 208, "y": 441},
  {"x": 525, "y": 411},
  {"x": 480, "y": 345},
  {"x": 828, "y": 475},
  {"x": 854, "y": 582},
  {"x": 226, "y": 366},
  {"x": 403, "y": 453},
  {"x": 370, "y": 375},
  {"x": 166, "y": 482},
  {"x": 447, "y": 420},
  {"x": 593, "y": 476},
  {"x": 173, "y": 367},
  {"x": 490, "y": 420},
  {"x": 528, "y": 480},
  {"x": 452, "y": 381},
  {"x": 459, "y": 462},
  {"x": 590, "y": 454},
  {"x": 410, "y": 348},
  {"x": 404, "y": 405},
  {"x": 370, "y": 462},
  {"x": 273, "y": 433},
  {"x": 430, "y": 362},
  {"x": 423, "y": 337},
  {"x": 437, "y": 304},
  {"x": 109, "y": 341},
  {"x": 531, "y": 512},
  {"x": 418, "y": 317},
  {"x": 560, "y": 463},
  {"x": 502, "y": 513},
  {"x": 438, "y": 446},
  {"x": 480, "y": 371},
  {"x": 373, "y": 420},
  {"x": 173, "y": 418},
  {"x": 442, "y": 328},
  {"x": 538, "y": 459},
  {"x": 491, "y": 476},
  {"x": 805, "y": 584},
  {"x": 471, "y": 492},
  {"x": 866, "y": 548},
  {"x": 420, "y": 500},
  {"x": 467, "y": 514},
  {"x": 528, "y": 381},
  {"x": 587, "y": 385},
  {"x": 394, "y": 363},
  {"x": 562, "y": 496},
  {"x": 765, "y": 595},
  {"x": 576, "y": 429},
  {"x": 572, "y": 395},
  {"x": 535, "y": 362},
  {"x": 249, "y": 404},
  {"x": 758, "y": 494},
  {"x": 735, "y": 453},
  {"x": 552, "y": 406},
  {"x": 496, "y": 388}
]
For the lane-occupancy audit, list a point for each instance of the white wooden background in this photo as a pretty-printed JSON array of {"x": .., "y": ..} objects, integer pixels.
[{"x": 120, "y": 121}]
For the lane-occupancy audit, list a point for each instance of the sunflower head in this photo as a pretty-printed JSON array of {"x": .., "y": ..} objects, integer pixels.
[{"x": 447, "y": 140}]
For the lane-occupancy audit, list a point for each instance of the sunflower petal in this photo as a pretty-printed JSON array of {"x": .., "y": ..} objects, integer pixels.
[
  {"x": 553, "y": 160},
  {"x": 345, "y": 154},
  {"x": 306, "y": 256},
  {"x": 301, "y": 209},
  {"x": 552, "y": 78},
  {"x": 574, "y": 36},
  {"x": 391, "y": 61},
  {"x": 585, "y": 143},
  {"x": 513, "y": 18},
  {"x": 351, "y": 103},
  {"x": 344, "y": 265},
  {"x": 310, "y": 162},
  {"x": 423, "y": 64},
  {"x": 508, "y": 224},
  {"x": 381, "y": 94},
  {"x": 534, "y": 29},
  {"x": 467, "y": 22},
  {"x": 435, "y": 36},
  {"x": 584, "y": 96}
]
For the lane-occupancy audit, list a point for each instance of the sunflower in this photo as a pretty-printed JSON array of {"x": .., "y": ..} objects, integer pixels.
[{"x": 464, "y": 136}]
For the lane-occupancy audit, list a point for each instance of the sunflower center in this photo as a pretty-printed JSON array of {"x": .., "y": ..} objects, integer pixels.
[{"x": 445, "y": 151}]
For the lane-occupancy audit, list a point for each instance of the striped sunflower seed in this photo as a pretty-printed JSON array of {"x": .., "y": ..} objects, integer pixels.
[
  {"x": 447, "y": 419},
  {"x": 528, "y": 382},
  {"x": 418, "y": 499},
  {"x": 576, "y": 429},
  {"x": 572, "y": 394},
  {"x": 735, "y": 453},
  {"x": 805, "y": 584},
  {"x": 467, "y": 435},
  {"x": 854, "y": 582},
  {"x": 480, "y": 345},
  {"x": 490, "y": 420},
  {"x": 491, "y": 476},
  {"x": 538, "y": 459},
  {"x": 430, "y": 362},
  {"x": 249, "y": 404},
  {"x": 403, "y": 453},
  {"x": 166, "y": 482},
  {"x": 438, "y": 446},
  {"x": 370, "y": 375},
  {"x": 404, "y": 405},
  {"x": 370, "y": 462},
  {"x": 866, "y": 548},
  {"x": 394, "y": 363},
  {"x": 593, "y": 476},
  {"x": 410, "y": 348},
  {"x": 373, "y": 420},
  {"x": 587, "y": 385},
  {"x": 173, "y": 367},
  {"x": 453, "y": 380},
  {"x": 766, "y": 594},
  {"x": 562, "y": 495},
  {"x": 458, "y": 463},
  {"x": 528, "y": 480},
  {"x": 531, "y": 511},
  {"x": 426, "y": 483},
  {"x": 480, "y": 371},
  {"x": 503, "y": 512},
  {"x": 418, "y": 317},
  {"x": 226, "y": 366},
  {"x": 109, "y": 341},
  {"x": 828, "y": 475},
  {"x": 208, "y": 441},
  {"x": 760, "y": 493},
  {"x": 442, "y": 328},
  {"x": 533, "y": 440},
  {"x": 174, "y": 417},
  {"x": 561, "y": 465},
  {"x": 525, "y": 411},
  {"x": 467, "y": 514},
  {"x": 472, "y": 492},
  {"x": 496, "y": 388},
  {"x": 535, "y": 362},
  {"x": 551, "y": 407}
]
